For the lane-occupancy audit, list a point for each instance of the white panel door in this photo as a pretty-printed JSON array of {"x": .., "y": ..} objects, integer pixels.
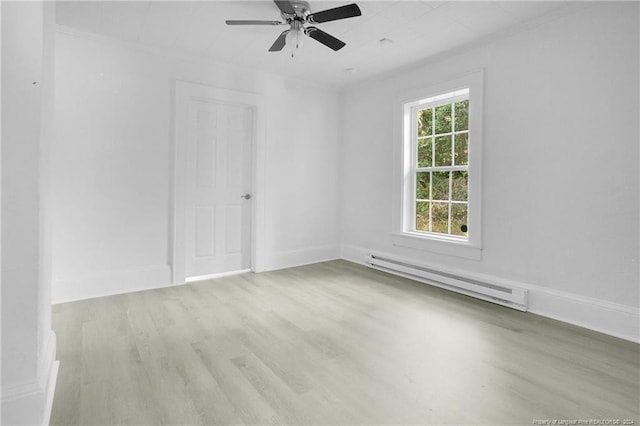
[{"x": 218, "y": 203}]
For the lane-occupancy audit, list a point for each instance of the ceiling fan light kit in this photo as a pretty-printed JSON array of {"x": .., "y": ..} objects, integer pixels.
[
  {"x": 298, "y": 13},
  {"x": 295, "y": 37}
]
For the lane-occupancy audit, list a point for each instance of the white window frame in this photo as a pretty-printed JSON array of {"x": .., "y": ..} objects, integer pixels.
[{"x": 403, "y": 233}]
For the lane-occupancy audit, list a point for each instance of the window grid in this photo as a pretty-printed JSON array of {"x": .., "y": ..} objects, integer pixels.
[{"x": 449, "y": 169}]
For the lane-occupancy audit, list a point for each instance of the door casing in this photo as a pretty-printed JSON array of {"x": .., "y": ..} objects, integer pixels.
[{"x": 184, "y": 92}]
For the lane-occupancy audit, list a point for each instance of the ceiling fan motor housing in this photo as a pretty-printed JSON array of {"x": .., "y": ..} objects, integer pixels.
[
  {"x": 297, "y": 13},
  {"x": 302, "y": 11}
]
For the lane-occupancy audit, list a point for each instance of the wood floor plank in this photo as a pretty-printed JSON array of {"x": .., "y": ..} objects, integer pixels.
[
  {"x": 207, "y": 395},
  {"x": 249, "y": 404},
  {"x": 335, "y": 344},
  {"x": 275, "y": 392}
]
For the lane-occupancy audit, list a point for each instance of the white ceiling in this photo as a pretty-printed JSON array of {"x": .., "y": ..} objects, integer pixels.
[{"x": 419, "y": 30}]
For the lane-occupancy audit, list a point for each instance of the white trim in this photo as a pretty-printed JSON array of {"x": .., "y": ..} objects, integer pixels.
[
  {"x": 603, "y": 316},
  {"x": 214, "y": 276},
  {"x": 187, "y": 90},
  {"x": 1, "y": 269},
  {"x": 437, "y": 244},
  {"x": 47, "y": 359},
  {"x": 50, "y": 393},
  {"x": 31, "y": 403},
  {"x": 440, "y": 99},
  {"x": 109, "y": 283},
  {"x": 402, "y": 184},
  {"x": 354, "y": 254},
  {"x": 606, "y": 317},
  {"x": 24, "y": 404},
  {"x": 306, "y": 256}
]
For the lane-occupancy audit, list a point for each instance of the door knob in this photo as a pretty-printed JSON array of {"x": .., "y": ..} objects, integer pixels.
[{"x": 246, "y": 196}]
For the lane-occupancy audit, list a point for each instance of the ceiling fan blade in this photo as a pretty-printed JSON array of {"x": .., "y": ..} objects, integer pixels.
[
  {"x": 342, "y": 12},
  {"x": 246, "y": 22},
  {"x": 324, "y": 38},
  {"x": 279, "y": 43},
  {"x": 285, "y": 7}
]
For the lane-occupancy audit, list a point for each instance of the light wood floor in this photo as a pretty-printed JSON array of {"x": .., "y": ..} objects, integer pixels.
[{"x": 333, "y": 343}]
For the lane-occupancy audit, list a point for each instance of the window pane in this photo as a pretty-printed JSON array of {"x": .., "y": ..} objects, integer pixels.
[
  {"x": 440, "y": 218},
  {"x": 443, "y": 119},
  {"x": 462, "y": 115},
  {"x": 422, "y": 185},
  {"x": 425, "y": 122},
  {"x": 443, "y": 151},
  {"x": 440, "y": 186},
  {"x": 422, "y": 216},
  {"x": 425, "y": 152},
  {"x": 458, "y": 219},
  {"x": 461, "y": 150},
  {"x": 459, "y": 185}
]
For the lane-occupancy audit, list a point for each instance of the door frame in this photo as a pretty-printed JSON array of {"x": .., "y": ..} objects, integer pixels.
[{"x": 185, "y": 91}]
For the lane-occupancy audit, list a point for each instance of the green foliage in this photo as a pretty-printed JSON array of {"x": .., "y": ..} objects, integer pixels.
[
  {"x": 440, "y": 186},
  {"x": 459, "y": 185},
  {"x": 443, "y": 151},
  {"x": 425, "y": 122},
  {"x": 422, "y": 185},
  {"x": 458, "y": 218},
  {"x": 440, "y": 218},
  {"x": 425, "y": 153},
  {"x": 461, "y": 149},
  {"x": 422, "y": 216},
  {"x": 436, "y": 208},
  {"x": 461, "y": 115},
  {"x": 443, "y": 119}
]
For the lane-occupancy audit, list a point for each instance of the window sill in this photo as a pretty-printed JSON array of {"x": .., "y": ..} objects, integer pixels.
[{"x": 443, "y": 245}]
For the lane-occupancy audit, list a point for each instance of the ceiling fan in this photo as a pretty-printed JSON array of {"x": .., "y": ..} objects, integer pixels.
[{"x": 296, "y": 14}]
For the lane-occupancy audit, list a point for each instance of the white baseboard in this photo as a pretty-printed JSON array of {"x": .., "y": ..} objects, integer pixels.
[
  {"x": 51, "y": 391},
  {"x": 598, "y": 315},
  {"x": 355, "y": 254},
  {"x": 31, "y": 403},
  {"x": 214, "y": 276},
  {"x": 48, "y": 374},
  {"x": 290, "y": 259},
  {"x": 109, "y": 283},
  {"x": 23, "y": 405}
]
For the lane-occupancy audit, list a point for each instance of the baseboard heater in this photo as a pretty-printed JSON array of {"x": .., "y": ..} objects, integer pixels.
[{"x": 513, "y": 297}]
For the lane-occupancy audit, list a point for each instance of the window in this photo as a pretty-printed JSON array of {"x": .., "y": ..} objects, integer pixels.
[
  {"x": 440, "y": 164},
  {"x": 439, "y": 152}
]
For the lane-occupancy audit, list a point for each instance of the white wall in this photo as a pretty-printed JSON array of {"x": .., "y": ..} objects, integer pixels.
[
  {"x": 28, "y": 343},
  {"x": 111, "y": 164},
  {"x": 563, "y": 225},
  {"x": 560, "y": 183}
]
